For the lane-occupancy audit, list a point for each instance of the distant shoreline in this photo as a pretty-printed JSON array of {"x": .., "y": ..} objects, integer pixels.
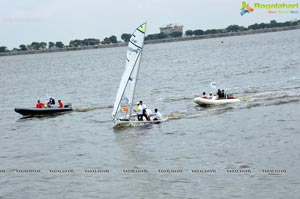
[{"x": 187, "y": 38}]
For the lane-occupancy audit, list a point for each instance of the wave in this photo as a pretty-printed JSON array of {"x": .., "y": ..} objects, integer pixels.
[
  {"x": 271, "y": 99},
  {"x": 91, "y": 108},
  {"x": 284, "y": 102},
  {"x": 203, "y": 113},
  {"x": 247, "y": 99},
  {"x": 175, "y": 115},
  {"x": 244, "y": 72},
  {"x": 253, "y": 105},
  {"x": 251, "y": 90},
  {"x": 274, "y": 96},
  {"x": 223, "y": 110},
  {"x": 172, "y": 99}
]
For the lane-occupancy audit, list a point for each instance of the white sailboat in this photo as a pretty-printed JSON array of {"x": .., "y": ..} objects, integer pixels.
[{"x": 123, "y": 106}]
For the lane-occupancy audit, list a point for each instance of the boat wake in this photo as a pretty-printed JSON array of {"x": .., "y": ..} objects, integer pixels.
[
  {"x": 271, "y": 99},
  {"x": 247, "y": 99},
  {"x": 251, "y": 90},
  {"x": 174, "y": 99},
  {"x": 273, "y": 96},
  {"x": 176, "y": 115},
  {"x": 91, "y": 108}
]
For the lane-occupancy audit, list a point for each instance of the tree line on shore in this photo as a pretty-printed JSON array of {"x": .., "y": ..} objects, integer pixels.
[
  {"x": 236, "y": 28},
  {"x": 125, "y": 37}
]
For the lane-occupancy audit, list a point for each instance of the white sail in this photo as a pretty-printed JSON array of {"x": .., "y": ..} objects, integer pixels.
[{"x": 125, "y": 96}]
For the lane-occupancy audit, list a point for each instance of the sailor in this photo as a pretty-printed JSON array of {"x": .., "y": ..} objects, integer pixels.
[
  {"x": 139, "y": 111},
  {"x": 144, "y": 107},
  {"x": 156, "y": 115},
  {"x": 60, "y": 104},
  {"x": 39, "y": 104},
  {"x": 210, "y": 96},
  {"x": 204, "y": 95}
]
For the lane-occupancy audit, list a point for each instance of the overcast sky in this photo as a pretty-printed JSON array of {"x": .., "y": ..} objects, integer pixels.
[{"x": 25, "y": 21}]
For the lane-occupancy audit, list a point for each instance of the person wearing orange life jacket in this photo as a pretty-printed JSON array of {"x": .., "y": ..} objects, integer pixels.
[
  {"x": 39, "y": 104},
  {"x": 60, "y": 104}
]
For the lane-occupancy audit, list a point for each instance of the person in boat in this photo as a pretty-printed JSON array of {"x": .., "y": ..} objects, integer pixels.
[
  {"x": 156, "y": 115},
  {"x": 210, "y": 96},
  {"x": 204, "y": 95},
  {"x": 60, "y": 104},
  {"x": 39, "y": 104},
  {"x": 51, "y": 101},
  {"x": 219, "y": 93},
  {"x": 230, "y": 96},
  {"x": 144, "y": 109},
  {"x": 138, "y": 109},
  {"x": 222, "y": 94}
]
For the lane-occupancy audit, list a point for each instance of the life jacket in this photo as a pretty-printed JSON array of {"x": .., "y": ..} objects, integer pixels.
[{"x": 40, "y": 105}]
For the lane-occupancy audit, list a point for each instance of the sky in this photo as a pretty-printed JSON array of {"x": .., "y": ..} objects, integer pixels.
[{"x": 25, "y": 21}]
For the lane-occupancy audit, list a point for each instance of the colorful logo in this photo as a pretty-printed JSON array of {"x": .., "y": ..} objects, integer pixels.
[{"x": 246, "y": 8}]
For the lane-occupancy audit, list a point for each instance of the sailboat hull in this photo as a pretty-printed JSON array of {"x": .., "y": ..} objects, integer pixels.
[{"x": 120, "y": 123}]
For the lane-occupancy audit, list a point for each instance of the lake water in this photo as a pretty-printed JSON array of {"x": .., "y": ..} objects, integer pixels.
[{"x": 245, "y": 150}]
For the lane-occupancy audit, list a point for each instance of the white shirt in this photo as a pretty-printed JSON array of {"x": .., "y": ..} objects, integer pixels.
[
  {"x": 144, "y": 106},
  {"x": 140, "y": 110},
  {"x": 157, "y": 115},
  {"x": 148, "y": 112}
]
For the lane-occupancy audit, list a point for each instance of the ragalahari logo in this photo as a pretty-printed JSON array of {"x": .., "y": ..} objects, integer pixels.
[{"x": 246, "y": 8}]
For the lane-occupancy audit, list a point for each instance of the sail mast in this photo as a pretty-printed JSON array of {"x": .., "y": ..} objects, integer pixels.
[
  {"x": 139, "y": 61},
  {"x": 124, "y": 89},
  {"x": 142, "y": 29}
]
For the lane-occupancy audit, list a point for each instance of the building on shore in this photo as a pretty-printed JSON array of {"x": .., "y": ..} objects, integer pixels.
[{"x": 171, "y": 28}]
